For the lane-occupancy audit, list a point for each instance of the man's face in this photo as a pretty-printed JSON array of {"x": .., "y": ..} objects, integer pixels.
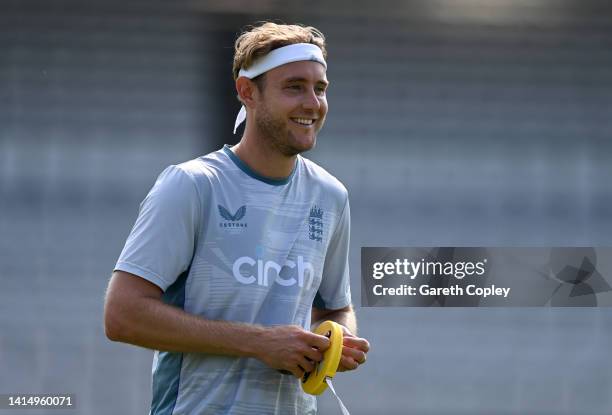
[{"x": 292, "y": 106}]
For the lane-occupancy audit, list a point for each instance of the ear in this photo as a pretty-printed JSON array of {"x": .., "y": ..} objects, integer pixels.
[{"x": 247, "y": 91}]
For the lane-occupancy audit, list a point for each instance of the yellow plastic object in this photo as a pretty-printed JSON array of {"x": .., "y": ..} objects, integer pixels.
[{"x": 314, "y": 382}]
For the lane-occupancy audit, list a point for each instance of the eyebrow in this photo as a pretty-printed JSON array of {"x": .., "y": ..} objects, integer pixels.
[{"x": 298, "y": 79}]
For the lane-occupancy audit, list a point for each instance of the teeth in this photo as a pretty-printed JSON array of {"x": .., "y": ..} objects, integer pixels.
[{"x": 304, "y": 121}]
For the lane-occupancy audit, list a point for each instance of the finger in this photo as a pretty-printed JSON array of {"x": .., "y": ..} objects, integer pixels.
[
  {"x": 355, "y": 354},
  {"x": 346, "y": 332},
  {"x": 357, "y": 343},
  {"x": 313, "y": 354},
  {"x": 318, "y": 341},
  {"x": 298, "y": 372},
  {"x": 348, "y": 363},
  {"x": 306, "y": 365}
]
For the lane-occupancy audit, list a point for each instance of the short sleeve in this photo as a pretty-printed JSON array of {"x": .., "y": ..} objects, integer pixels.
[
  {"x": 335, "y": 290},
  {"x": 161, "y": 244}
]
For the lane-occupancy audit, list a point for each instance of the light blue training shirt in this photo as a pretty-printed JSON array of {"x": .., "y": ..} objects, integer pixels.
[{"x": 225, "y": 243}]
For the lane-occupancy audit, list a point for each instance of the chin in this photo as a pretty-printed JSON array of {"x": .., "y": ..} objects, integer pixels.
[{"x": 302, "y": 145}]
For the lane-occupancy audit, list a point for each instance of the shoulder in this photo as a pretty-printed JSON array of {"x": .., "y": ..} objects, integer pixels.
[
  {"x": 327, "y": 181},
  {"x": 189, "y": 180},
  {"x": 201, "y": 171},
  {"x": 204, "y": 166}
]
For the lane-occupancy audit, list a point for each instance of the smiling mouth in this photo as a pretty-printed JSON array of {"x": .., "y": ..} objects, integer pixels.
[{"x": 304, "y": 122}]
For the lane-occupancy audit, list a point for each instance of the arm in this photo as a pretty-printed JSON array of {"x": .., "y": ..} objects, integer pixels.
[
  {"x": 345, "y": 317},
  {"x": 354, "y": 348},
  {"x": 135, "y": 313}
]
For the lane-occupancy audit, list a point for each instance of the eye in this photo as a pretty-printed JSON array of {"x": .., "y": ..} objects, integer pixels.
[
  {"x": 295, "y": 87},
  {"x": 320, "y": 90}
]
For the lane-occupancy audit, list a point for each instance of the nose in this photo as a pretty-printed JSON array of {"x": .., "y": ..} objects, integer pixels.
[{"x": 311, "y": 100}]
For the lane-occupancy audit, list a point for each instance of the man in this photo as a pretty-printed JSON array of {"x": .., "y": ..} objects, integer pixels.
[{"x": 236, "y": 253}]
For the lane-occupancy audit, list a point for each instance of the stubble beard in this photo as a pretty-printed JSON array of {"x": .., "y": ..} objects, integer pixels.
[{"x": 277, "y": 134}]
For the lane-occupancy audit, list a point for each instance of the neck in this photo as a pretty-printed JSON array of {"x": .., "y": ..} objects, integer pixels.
[{"x": 262, "y": 158}]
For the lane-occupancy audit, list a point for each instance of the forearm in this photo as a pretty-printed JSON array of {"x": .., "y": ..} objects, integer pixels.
[
  {"x": 345, "y": 317},
  {"x": 150, "y": 323}
]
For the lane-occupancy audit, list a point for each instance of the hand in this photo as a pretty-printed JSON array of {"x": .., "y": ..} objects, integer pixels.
[
  {"x": 354, "y": 351},
  {"x": 291, "y": 348}
]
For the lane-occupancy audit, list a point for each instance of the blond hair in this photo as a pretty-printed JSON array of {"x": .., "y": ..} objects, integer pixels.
[{"x": 259, "y": 40}]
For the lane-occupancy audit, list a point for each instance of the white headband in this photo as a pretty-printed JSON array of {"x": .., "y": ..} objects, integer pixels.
[{"x": 286, "y": 54}]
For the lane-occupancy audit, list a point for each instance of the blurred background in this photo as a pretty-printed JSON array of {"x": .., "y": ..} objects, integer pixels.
[{"x": 452, "y": 123}]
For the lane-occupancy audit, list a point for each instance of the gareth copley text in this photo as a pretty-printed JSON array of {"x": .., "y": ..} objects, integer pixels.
[{"x": 425, "y": 290}]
